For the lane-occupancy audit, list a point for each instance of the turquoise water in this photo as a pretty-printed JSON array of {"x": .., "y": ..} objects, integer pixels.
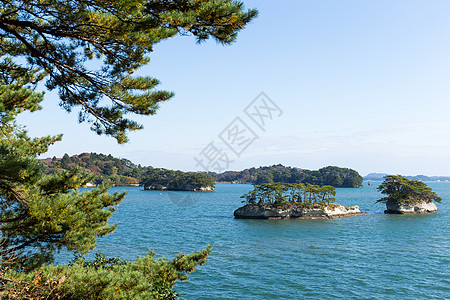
[{"x": 376, "y": 256}]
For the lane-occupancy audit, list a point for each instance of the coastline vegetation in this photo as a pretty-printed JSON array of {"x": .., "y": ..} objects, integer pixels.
[
  {"x": 163, "y": 179},
  {"x": 123, "y": 172},
  {"x": 119, "y": 171},
  {"x": 331, "y": 175}
]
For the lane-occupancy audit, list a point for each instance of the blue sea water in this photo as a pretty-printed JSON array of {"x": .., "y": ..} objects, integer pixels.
[{"x": 374, "y": 256}]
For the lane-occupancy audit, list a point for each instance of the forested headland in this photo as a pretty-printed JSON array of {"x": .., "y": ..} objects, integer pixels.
[
  {"x": 123, "y": 172},
  {"x": 120, "y": 171},
  {"x": 331, "y": 175}
]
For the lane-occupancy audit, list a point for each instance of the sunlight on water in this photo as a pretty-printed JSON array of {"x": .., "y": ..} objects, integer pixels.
[{"x": 375, "y": 256}]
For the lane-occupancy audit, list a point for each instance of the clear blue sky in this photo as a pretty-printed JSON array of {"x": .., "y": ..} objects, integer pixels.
[{"x": 362, "y": 84}]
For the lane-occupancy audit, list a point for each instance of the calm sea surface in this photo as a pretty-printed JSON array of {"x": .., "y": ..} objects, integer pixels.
[{"x": 376, "y": 256}]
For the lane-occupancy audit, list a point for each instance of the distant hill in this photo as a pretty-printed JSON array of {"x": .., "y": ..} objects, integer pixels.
[
  {"x": 123, "y": 172},
  {"x": 379, "y": 176},
  {"x": 429, "y": 178},
  {"x": 334, "y": 176},
  {"x": 106, "y": 167}
]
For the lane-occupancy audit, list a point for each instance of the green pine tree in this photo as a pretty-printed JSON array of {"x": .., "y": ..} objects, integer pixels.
[{"x": 58, "y": 42}]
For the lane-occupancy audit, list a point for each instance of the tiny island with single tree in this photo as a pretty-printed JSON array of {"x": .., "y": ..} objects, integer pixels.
[
  {"x": 405, "y": 196},
  {"x": 293, "y": 201}
]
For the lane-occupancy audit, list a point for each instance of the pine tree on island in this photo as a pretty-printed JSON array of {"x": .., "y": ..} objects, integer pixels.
[
  {"x": 293, "y": 201},
  {"x": 407, "y": 196}
]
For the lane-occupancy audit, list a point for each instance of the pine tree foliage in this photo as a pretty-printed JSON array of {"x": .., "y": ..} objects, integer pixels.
[
  {"x": 401, "y": 190},
  {"x": 62, "y": 40},
  {"x": 103, "y": 278},
  {"x": 88, "y": 51},
  {"x": 280, "y": 193},
  {"x": 39, "y": 213}
]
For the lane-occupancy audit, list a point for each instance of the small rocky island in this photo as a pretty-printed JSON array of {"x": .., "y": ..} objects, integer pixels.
[
  {"x": 405, "y": 196},
  {"x": 169, "y": 180},
  {"x": 293, "y": 201},
  {"x": 258, "y": 211},
  {"x": 182, "y": 187}
]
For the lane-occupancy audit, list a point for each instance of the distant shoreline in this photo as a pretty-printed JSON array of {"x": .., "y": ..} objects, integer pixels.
[
  {"x": 124, "y": 185},
  {"x": 380, "y": 177},
  {"x": 428, "y": 180}
]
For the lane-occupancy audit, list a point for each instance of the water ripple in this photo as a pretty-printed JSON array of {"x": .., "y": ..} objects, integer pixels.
[{"x": 376, "y": 256}]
